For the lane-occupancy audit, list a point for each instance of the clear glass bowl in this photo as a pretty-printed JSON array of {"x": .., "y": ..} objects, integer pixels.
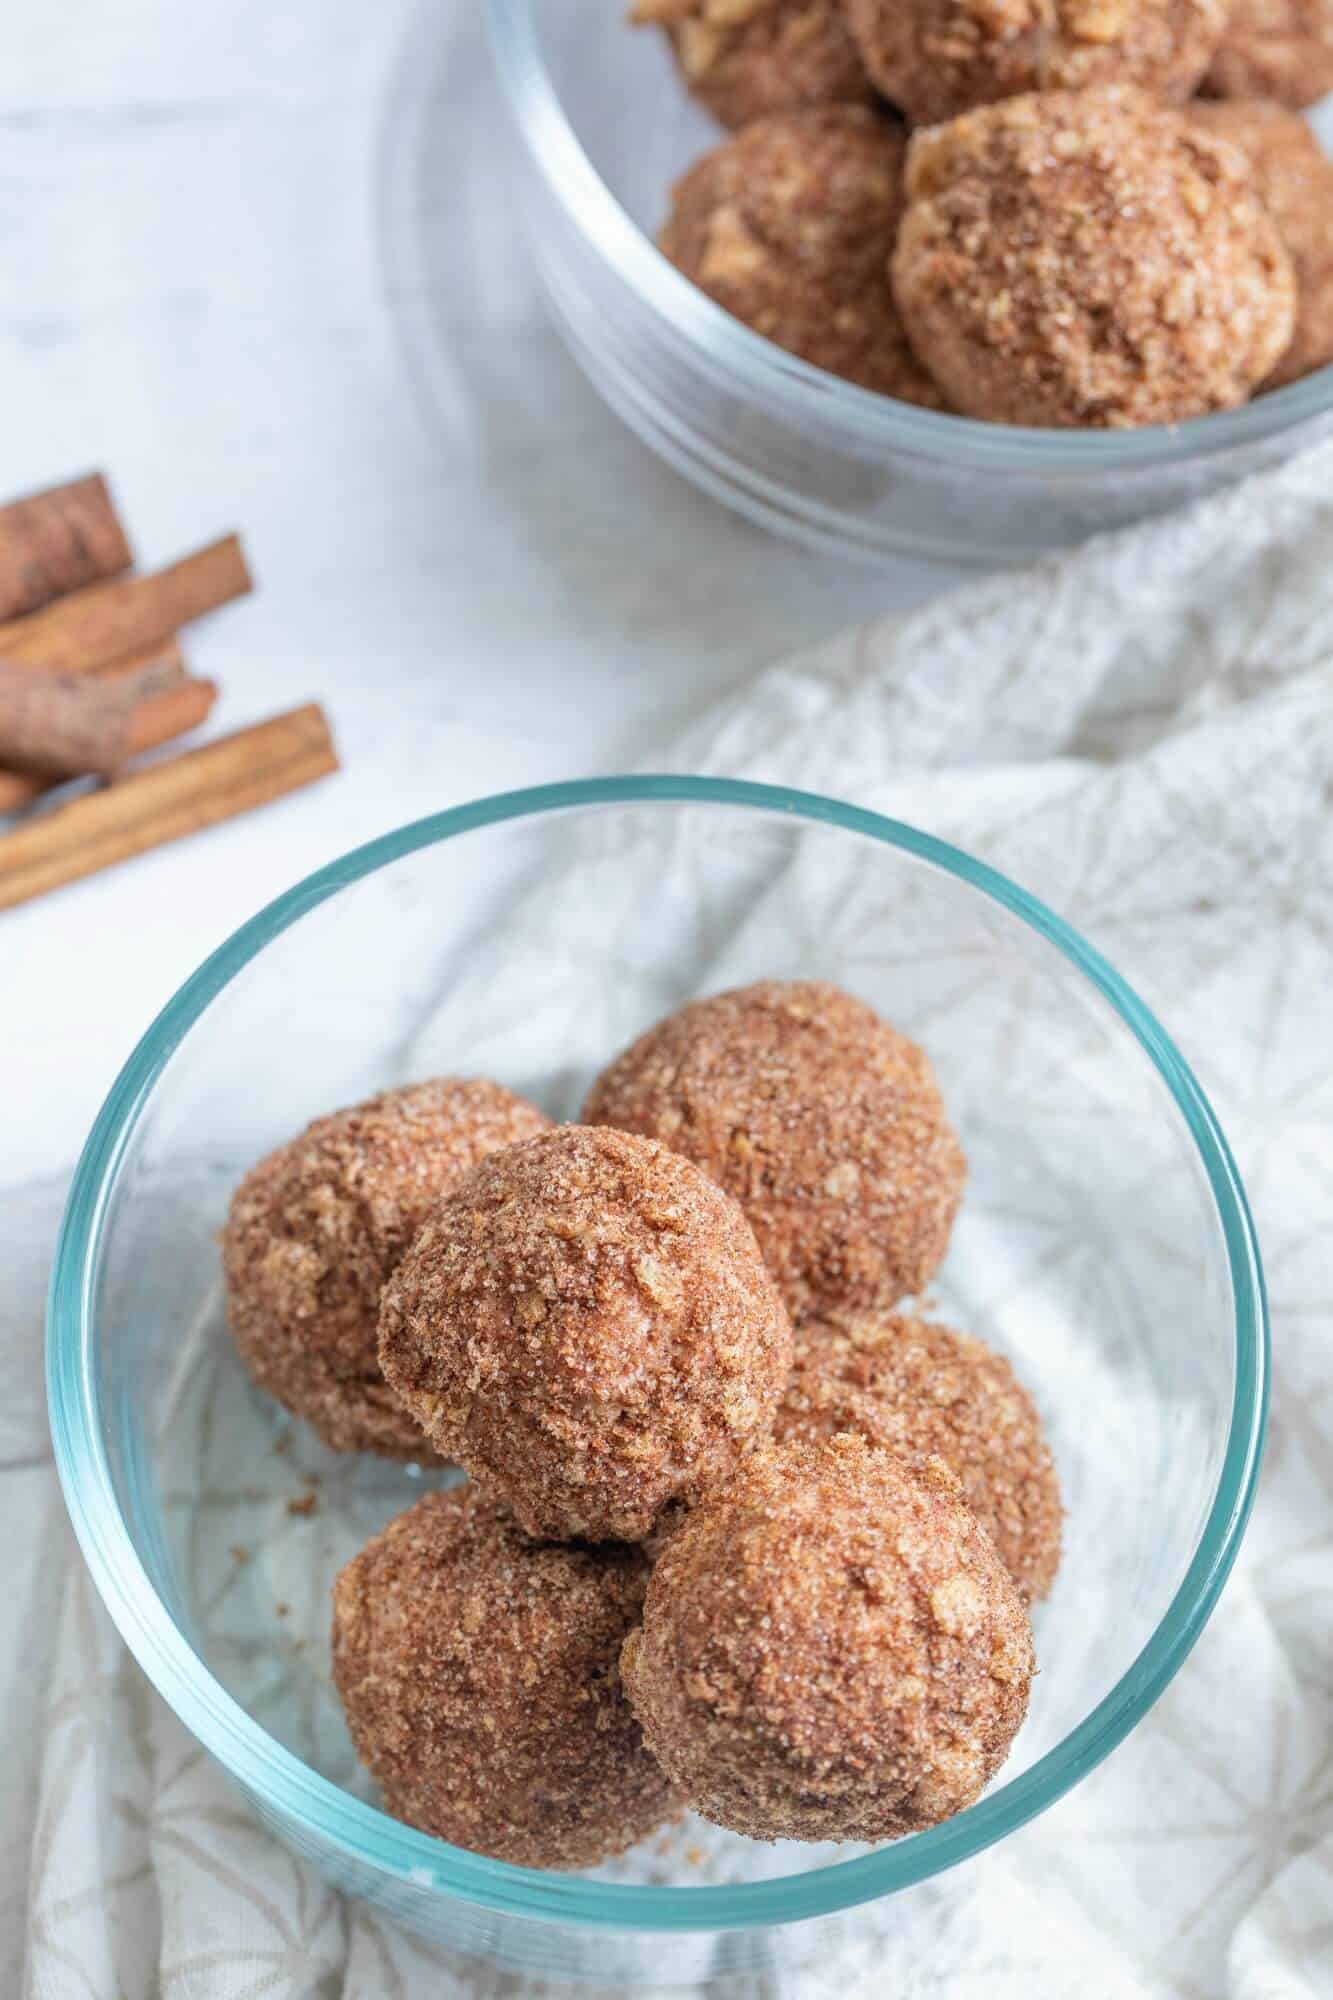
[
  {"x": 1104, "y": 1243},
  {"x": 606, "y": 128}
]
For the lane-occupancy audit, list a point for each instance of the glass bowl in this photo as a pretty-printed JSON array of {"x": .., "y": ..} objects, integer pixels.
[
  {"x": 1104, "y": 1243},
  {"x": 606, "y": 128}
]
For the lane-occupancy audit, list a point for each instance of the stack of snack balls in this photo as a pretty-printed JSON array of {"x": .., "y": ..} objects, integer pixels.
[
  {"x": 736, "y": 1533},
  {"x": 1013, "y": 209}
]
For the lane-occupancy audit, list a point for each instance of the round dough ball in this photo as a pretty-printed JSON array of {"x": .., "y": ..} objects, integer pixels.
[
  {"x": 831, "y": 1649},
  {"x": 587, "y": 1324},
  {"x": 825, "y": 1124},
  {"x": 937, "y": 58},
  {"x": 315, "y": 1229},
  {"x": 1089, "y": 260},
  {"x": 1294, "y": 176},
  {"x": 790, "y": 226},
  {"x": 922, "y": 1392},
  {"x": 746, "y": 58},
  {"x": 480, "y": 1677},
  {"x": 1275, "y": 48}
]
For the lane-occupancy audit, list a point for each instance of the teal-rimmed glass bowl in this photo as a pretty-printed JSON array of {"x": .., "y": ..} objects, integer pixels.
[{"x": 1105, "y": 1244}]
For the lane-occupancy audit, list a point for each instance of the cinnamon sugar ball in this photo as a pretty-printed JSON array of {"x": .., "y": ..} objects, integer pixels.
[
  {"x": 1294, "y": 176},
  {"x": 746, "y": 58},
  {"x": 587, "y": 1324},
  {"x": 831, "y": 1649},
  {"x": 1089, "y": 259},
  {"x": 480, "y": 1678},
  {"x": 315, "y": 1229},
  {"x": 790, "y": 227},
  {"x": 937, "y": 58},
  {"x": 1275, "y": 48},
  {"x": 922, "y": 1391},
  {"x": 825, "y": 1124}
]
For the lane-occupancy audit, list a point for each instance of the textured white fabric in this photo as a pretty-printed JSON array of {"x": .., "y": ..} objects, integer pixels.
[{"x": 1141, "y": 732}]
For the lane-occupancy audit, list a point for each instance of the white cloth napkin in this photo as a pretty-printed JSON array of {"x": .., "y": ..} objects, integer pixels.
[{"x": 1142, "y": 733}]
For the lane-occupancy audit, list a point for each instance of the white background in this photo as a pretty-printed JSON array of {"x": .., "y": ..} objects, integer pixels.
[{"x": 195, "y": 296}]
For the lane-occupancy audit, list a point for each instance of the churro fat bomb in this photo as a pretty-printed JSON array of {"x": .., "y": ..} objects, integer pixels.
[
  {"x": 922, "y": 1391},
  {"x": 823, "y": 1122},
  {"x": 1275, "y": 48},
  {"x": 317, "y": 1226},
  {"x": 831, "y": 1649},
  {"x": 744, "y": 59},
  {"x": 1294, "y": 176},
  {"x": 586, "y": 1323},
  {"x": 790, "y": 227},
  {"x": 479, "y": 1675},
  {"x": 1089, "y": 260},
  {"x": 937, "y": 58}
]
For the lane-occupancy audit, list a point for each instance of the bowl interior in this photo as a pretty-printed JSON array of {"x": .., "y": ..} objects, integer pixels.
[
  {"x": 623, "y": 96},
  {"x": 1090, "y": 1247}
]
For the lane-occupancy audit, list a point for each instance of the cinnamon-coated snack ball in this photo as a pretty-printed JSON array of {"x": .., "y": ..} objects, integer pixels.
[
  {"x": 937, "y": 58},
  {"x": 587, "y": 1324},
  {"x": 831, "y": 1649},
  {"x": 480, "y": 1677},
  {"x": 1294, "y": 176},
  {"x": 823, "y": 1122},
  {"x": 790, "y": 226},
  {"x": 744, "y": 59},
  {"x": 1089, "y": 260},
  {"x": 1275, "y": 48},
  {"x": 922, "y": 1392},
  {"x": 317, "y": 1226}
]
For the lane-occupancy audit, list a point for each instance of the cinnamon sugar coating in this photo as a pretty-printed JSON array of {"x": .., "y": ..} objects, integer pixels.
[
  {"x": 1089, "y": 259},
  {"x": 922, "y": 1392},
  {"x": 790, "y": 226},
  {"x": 823, "y": 1122},
  {"x": 1294, "y": 176},
  {"x": 937, "y": 58},
  {"x": 317, "y": 1226},
  {"x": 831, "y": 1649},
  {"x": 587, "y": 1324},
  {"x": 1275, "y": 48},
  {"x": 479, "y": 1674},
  {"x": 744, "y": 59}
]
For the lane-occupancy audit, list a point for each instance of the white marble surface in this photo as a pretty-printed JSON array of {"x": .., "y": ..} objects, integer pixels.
[{"x": 485, "y": 591}]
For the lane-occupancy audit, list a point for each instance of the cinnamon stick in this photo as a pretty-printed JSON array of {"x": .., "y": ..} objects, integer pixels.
[
  {"x": 66, "y": 725},
  {"x": 58, "y": 541},
  {"x": 79, "y": 633},
  {"x": 165, "y": 802},
  {"x": 151, "y": 669},
  {"x": 151, "y": 674}
]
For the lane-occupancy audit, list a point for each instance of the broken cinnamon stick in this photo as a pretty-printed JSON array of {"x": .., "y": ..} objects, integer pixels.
[
  {"x": 152, "y": 669},
  {"x": 58, "y": 541},
  {"x": 165, "y": 802},
  {"x": 66, "y": 725},
  {"x": 79, "y": 633},
  {"x": 152, "y": 674}
]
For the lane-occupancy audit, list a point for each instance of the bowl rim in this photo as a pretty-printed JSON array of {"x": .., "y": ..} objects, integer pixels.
[
  {"x": 369, "y": 1837},
  {"x": 799, "y": 392}
]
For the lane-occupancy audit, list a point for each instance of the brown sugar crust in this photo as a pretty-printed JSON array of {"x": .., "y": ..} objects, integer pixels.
[
  {"x": 1275, "y": 48},
  {"x": 831, "y": 1649},
  {"x": 937, "y": 58},
  {"x": 1089, "y": 260},
  {"x": 479, "y": 1674},
  {"x": 790, "y": 227},
  {"x": 825, "y": 1124},
  {"x": 1294, "y": 176},
  {"x": 587, "y": 1324},
  {"x": 315, "y": 1229},
  {"x": 745, "y": 59},
  {"x": 922, "y": 1392}
]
